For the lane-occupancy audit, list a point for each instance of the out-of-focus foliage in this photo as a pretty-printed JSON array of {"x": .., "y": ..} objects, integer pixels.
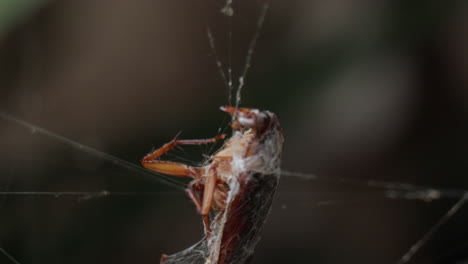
[{"x": 14, "y": 11}]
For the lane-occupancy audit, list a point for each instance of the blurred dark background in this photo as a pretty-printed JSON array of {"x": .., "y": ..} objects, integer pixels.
[{"x": 367, "y": 90}]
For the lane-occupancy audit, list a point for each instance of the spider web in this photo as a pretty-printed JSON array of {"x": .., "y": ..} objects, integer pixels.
[{"x": 117, "y": 174}]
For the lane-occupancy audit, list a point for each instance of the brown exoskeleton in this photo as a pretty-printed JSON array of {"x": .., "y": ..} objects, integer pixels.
[{"x": 237, "y": 185}]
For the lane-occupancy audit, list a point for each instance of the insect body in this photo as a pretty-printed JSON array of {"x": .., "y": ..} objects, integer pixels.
[{"x": 237, "y": 185}]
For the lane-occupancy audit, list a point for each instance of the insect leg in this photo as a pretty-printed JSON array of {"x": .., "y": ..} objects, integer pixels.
[
  {"x": 208, "y": 195},
  {"x": 173, "y": 143},
  {"x": 195, "y": 186},
  {"x": 209, "y": 191},
  {"x": 198, "y": 187},
  {"x": 174, "y": 168},
  {"x": 163, "y": 258}
]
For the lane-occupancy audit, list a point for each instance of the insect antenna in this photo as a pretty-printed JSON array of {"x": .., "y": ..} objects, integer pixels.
[
  {"x": 250, "y": 51},
  {"x": 219, "y": 64},
  {"x": 228, "y": 11}
]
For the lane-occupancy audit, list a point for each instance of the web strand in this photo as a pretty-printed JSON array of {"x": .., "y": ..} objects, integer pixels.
[
  {"x": 393, "y": 190},
  {"x": 398, "y": 190},
  {"x": 86, "y": 195},
  {"x": 8, "y": 256},
  {"x": 86, "y": 149},
  {"x": 426, "y": 237}
]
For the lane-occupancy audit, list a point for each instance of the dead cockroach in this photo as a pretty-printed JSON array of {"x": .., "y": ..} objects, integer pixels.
[{"x": 236, "y": 186}]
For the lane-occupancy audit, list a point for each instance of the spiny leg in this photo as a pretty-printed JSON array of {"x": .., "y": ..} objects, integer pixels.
[
  {"x": 174, "y": 168},
  {"x": 181, "y": 170},
  {"x": 173, "y": 143}
]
